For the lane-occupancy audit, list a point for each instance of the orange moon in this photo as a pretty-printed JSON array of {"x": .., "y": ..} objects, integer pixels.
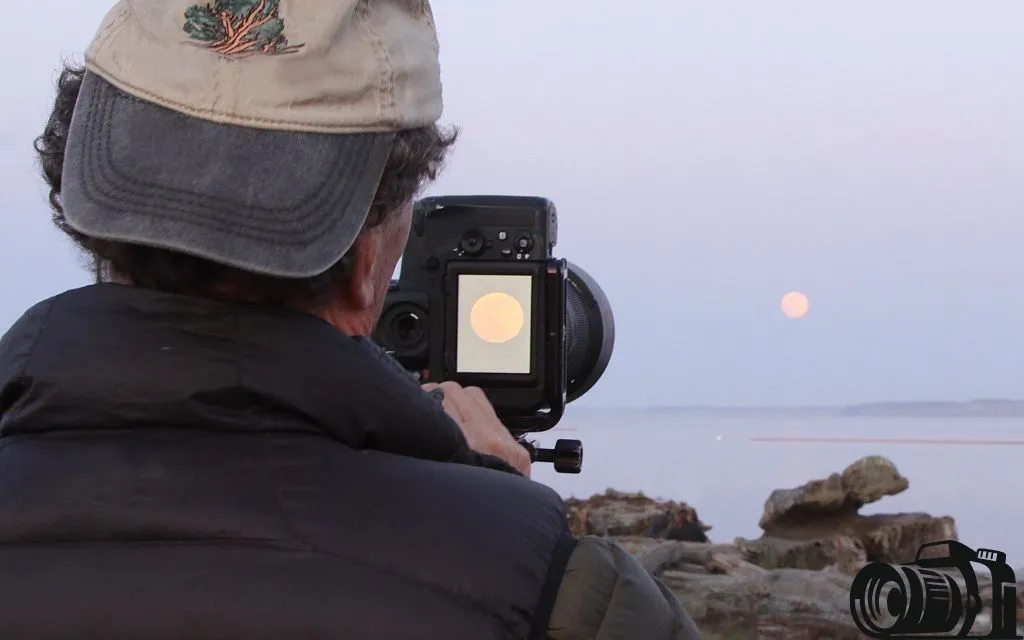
[
  {"x": 497, "y": 317},
  {"x": 795, "y": 304}
]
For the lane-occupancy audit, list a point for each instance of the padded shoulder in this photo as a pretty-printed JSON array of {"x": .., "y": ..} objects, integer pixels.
[{"x": 606, "y": 594}]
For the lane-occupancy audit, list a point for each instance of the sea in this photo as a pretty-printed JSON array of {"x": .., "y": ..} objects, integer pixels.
[{"x": 725, "y": 466}]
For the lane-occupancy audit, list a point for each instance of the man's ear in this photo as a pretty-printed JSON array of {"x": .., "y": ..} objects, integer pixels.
[{"x": 362, "y": 276}]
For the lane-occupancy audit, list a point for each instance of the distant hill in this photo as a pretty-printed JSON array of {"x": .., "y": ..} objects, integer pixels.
[
  {"x": 983, "y": 408},
  {"x": 973, "y": 408}
]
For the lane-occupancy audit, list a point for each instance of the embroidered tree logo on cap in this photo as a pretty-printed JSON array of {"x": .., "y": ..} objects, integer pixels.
[{"x": 239, "y": 27}]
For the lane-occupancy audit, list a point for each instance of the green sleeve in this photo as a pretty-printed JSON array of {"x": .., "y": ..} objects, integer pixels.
[{"x": 606, "y": 594}]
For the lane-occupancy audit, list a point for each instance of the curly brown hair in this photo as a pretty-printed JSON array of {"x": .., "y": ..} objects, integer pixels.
[{"x": 416, "y": 159}]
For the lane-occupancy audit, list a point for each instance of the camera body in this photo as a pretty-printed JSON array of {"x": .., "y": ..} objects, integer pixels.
[{"x": 481, "y": 300}]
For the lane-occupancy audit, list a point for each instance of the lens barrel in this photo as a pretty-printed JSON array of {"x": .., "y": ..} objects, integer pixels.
[{"x": 589, "y": 332}]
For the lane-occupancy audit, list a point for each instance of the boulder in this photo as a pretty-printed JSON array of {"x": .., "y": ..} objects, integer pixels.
[
  {"x": 614, "y": 513},
  {"x": 817, "y": 525},
  {"x": 865, "y": 481},
  {"x": 731, "y": 598},
  {"x": 848, "y": 543},
  {"x": 692, "y": 557},
  {"x": 872, "y": 478},
  {"x": 840, "y": 552},
  {"x": 897, "y": 537}
]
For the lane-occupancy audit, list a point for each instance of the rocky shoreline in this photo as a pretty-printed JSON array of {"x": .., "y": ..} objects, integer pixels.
[{"x": 794, "y": 581}]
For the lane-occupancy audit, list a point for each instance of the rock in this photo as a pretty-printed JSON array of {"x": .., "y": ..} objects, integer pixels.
[
  {"x": 705, "y": 557},
  {"x": 806, "y": 502},
  {"x": 872, "y": 478},
  {"x": 639, "y": 545},
  {"x": 840, "y": 552},
  {"x": 788, "y": 604},
  {"x": 848, "y": 543},
  {"x": 677, "y": 528},
  {"x": 729, "y": 597},
  {"x": 866, "y": 480},
  {"x": 896, "y": 538},
  {"x": 816, "y": 526},
  {"x": 615, "y": 513}
]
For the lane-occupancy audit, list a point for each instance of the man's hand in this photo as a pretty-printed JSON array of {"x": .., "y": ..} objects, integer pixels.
[{"x": 472, "y": 411}]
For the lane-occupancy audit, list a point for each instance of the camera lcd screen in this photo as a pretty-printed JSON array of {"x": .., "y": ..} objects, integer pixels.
[{"x": 495, "y": 323}]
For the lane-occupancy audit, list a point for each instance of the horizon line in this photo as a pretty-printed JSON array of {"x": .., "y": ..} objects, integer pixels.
[{"x": 795, "y": 407}]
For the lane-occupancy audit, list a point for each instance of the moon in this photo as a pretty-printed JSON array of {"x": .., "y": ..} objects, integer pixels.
[
  {"x": 795, "y": 304},
  {"x": 497, "y": 317}
]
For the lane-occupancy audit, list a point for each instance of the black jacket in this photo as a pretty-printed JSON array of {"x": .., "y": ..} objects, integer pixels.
[{"x": 178, "y": 468}]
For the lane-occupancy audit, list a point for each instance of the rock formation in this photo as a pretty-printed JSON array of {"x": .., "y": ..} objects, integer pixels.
[
  {"x": 817, "y": 525},
  {"x": 615, "y": 513},
  {"x": 794, "y": 581}
]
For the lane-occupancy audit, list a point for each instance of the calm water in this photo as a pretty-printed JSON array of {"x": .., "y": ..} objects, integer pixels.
[{"x": 713, "y": 464}]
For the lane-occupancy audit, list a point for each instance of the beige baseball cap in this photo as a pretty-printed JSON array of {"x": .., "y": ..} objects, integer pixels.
[{"x": 252, "y": 133}]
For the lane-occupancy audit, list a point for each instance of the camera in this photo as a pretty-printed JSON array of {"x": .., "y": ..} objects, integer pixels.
[
  {"x": 482, "y": 300},
  {"x": 924, "y": 599}
]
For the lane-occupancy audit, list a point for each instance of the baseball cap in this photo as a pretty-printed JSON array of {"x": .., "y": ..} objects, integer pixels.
[{"x": 252, "y": 133}]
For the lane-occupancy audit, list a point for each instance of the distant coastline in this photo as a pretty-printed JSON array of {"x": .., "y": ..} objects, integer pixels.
[
  {"x": 975, "y": 408},
  {"x": 982, "y": 408}
]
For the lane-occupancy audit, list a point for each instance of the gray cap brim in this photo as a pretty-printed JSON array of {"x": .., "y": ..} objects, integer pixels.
[{"x": 278, "y": 203}]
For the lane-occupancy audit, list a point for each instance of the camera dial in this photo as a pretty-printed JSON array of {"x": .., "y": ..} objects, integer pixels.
[
  {"x": 472, "y": 243},
  {"x": 407, "y": 329}
]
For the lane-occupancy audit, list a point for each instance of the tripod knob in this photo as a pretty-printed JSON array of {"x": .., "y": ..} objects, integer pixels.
[{"x": 567, "y": 456}]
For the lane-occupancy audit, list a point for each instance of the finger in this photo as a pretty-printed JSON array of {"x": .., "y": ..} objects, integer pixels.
[
  {"x": 453, "y": 401},
  {"x": 494, "y": 436},
  {"x": 481, "y": 402},
  {"x": 451, "y": 387},
  {"x": 452, "y": 408},
  {"x": 475, "y": 406}
]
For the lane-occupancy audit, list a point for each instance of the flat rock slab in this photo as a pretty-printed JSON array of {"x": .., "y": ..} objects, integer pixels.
[{"x": 865, "y": 481}]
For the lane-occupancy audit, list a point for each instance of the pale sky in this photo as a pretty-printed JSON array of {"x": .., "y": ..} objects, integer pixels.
[{"x": 706, "y": 158}]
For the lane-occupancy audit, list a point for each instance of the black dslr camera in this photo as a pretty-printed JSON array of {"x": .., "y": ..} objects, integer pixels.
[
  {"x": 935, "y": 596},
  {"x": 481, "y": 300}
]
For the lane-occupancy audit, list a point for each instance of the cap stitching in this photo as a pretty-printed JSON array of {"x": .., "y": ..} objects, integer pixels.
[
  {"x": 186, "y": 202},
  {"x": 103, "y": 138},
  {"x": 119, "y": 201},
  {"x": 226, "y": 118}
]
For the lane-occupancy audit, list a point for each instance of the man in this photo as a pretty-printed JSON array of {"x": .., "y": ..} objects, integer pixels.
[{"x": 204, "y": 444}]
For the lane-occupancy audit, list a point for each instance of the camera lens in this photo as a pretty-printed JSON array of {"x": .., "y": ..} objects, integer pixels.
[
  {"x": 407, "y": 329},
  {"x": 589, "y": 332},
  {"x": 472, "y": 243}
]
